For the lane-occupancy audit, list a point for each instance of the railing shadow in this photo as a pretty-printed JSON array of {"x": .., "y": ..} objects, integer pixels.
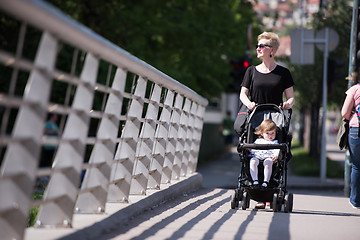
[
  {"x": 173, "y": 217},
  {"x": 244, "y": 225},
  {"x": 186, "y": 227},
  {"x": 278, "y": 227}
]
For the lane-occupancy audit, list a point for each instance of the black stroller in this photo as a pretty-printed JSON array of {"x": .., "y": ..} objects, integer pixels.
[{"x": 276, "y": 192}]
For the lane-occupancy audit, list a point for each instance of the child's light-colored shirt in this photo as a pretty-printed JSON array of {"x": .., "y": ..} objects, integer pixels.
[{"x": 263, "y": 154}]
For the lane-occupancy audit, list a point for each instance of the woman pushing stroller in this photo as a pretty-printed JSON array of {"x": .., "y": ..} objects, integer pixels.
[{"x": 266, "y": 83}]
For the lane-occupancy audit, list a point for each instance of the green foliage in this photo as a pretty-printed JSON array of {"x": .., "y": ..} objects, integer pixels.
[
  {"x": 336, "y": 15},
  {"x": 10, "y": 32},
  {"x": 191, "y": 41},
  {"x": 32, "y": 216},
  {"x": 303, "y": 164},
  {"x": 304, "y": 77},
  {"x": 34, "y": 211}
]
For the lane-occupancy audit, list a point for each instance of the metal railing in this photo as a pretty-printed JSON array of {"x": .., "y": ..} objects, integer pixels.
[{"x": 124, "y": 127}]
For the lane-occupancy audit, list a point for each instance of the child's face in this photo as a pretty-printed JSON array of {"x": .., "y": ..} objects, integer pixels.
[{"x": 269, "y": 135}]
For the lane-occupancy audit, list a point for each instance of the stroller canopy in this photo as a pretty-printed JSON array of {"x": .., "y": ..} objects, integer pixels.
[{"x": 268, "y": 111}]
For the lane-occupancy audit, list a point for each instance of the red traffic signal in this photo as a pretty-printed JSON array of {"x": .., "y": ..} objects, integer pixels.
[
  {"x": 240, "y": 63},
  {"x": 246, "y": 64},
  {"x": 240, "y": 66}
]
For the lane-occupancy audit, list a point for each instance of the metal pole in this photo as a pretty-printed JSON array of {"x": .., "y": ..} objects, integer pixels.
[
  {"x": 352, "y": 77},
  {"x": 347, "y": 171},
  {"x": 323, "y": 137},
  {"x": 302, "y": 34}
]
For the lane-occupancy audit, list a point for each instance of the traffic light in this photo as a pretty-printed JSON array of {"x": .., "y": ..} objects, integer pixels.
[
  {"x": 240, "y": 65},
  {"x": 334, "y": 72}
]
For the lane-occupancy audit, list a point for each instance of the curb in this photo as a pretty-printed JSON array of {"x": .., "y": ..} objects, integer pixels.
[
  {"x": 112, "y": 222},
  {"x": 94, "y": 226},
  {"x": 316, "y": 187},
  {"x": 314, "y": 183}
]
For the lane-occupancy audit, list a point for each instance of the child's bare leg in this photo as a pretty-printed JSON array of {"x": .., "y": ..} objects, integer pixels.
[
  {"x": 254, "y": 162},
  {"x": 267, "y": 169}
]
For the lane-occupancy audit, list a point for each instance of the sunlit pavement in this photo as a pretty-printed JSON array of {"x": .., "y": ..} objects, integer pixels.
[{"x": 206, "y": 214}]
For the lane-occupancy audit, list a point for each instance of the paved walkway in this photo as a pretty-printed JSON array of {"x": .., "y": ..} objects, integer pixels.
[
  {"x": 320, "y": 211},
  {"x": 206, "y": 214}
]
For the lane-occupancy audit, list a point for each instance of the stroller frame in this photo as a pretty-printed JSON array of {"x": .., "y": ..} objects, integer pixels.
[{"x": 276, "y": 193}]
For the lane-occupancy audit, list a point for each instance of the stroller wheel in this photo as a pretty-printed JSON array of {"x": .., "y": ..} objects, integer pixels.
[
  {"x": 234, "y": 200},
  {"x": 276, "y": 203},
  {"x": 245, "y": 201},
  {"x": 238, "y": 197},
  {"x": 288, "y": 202}
]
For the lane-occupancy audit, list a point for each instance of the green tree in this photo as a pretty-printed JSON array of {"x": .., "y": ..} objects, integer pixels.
[
  {"x": 308, "y": 79},
  {"x": 191, "y": 41}
]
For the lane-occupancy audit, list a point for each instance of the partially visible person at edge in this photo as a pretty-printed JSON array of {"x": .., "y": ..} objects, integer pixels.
[
  {"x": 352, "y": 101},
  {"x": 270, "y": 80}
]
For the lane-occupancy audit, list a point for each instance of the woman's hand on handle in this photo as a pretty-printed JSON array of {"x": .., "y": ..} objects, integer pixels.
[
  {"x": 286, "y": 106},
  {"x": 290, "y": 99},
  {"x": 245, "y": 100},
  {"x": 251, "y": 106}
]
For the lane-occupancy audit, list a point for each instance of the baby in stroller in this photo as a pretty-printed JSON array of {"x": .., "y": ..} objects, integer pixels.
[
  {"x": 264, "y": 150},
  {"x": 267, "y": 134}
]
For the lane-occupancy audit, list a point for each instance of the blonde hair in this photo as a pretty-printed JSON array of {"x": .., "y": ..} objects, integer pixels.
[
  {"x": 273, "y": 37},
  {"x": 266, "y": 125}
]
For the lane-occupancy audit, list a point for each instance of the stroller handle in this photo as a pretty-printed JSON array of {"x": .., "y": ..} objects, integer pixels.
[{"x": 242, "y": 146}]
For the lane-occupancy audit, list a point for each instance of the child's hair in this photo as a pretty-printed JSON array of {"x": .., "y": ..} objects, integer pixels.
[{"x": 266, "y": 125}]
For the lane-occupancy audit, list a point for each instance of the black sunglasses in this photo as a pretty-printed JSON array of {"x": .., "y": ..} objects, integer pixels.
[{"x": 262, "y": 45}]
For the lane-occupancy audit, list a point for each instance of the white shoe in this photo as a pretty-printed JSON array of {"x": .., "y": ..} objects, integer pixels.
[
  {"x": 260, "y": 205},
  {"x": 353, "y": 205}
]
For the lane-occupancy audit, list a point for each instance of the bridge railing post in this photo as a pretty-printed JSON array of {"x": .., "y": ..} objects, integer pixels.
[
  {"x": 20, "y": 161},
  {"x": 93, "y": 194},
  {"x": 121, "y": 133}
]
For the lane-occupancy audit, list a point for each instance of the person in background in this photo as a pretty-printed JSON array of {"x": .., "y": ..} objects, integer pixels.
[
  {"x": 351, "y": 102},
  {"x": 48, "y": 151}
]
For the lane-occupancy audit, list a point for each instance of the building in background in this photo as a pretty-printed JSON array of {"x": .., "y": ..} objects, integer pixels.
[{"x": 278, "y": 15}]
